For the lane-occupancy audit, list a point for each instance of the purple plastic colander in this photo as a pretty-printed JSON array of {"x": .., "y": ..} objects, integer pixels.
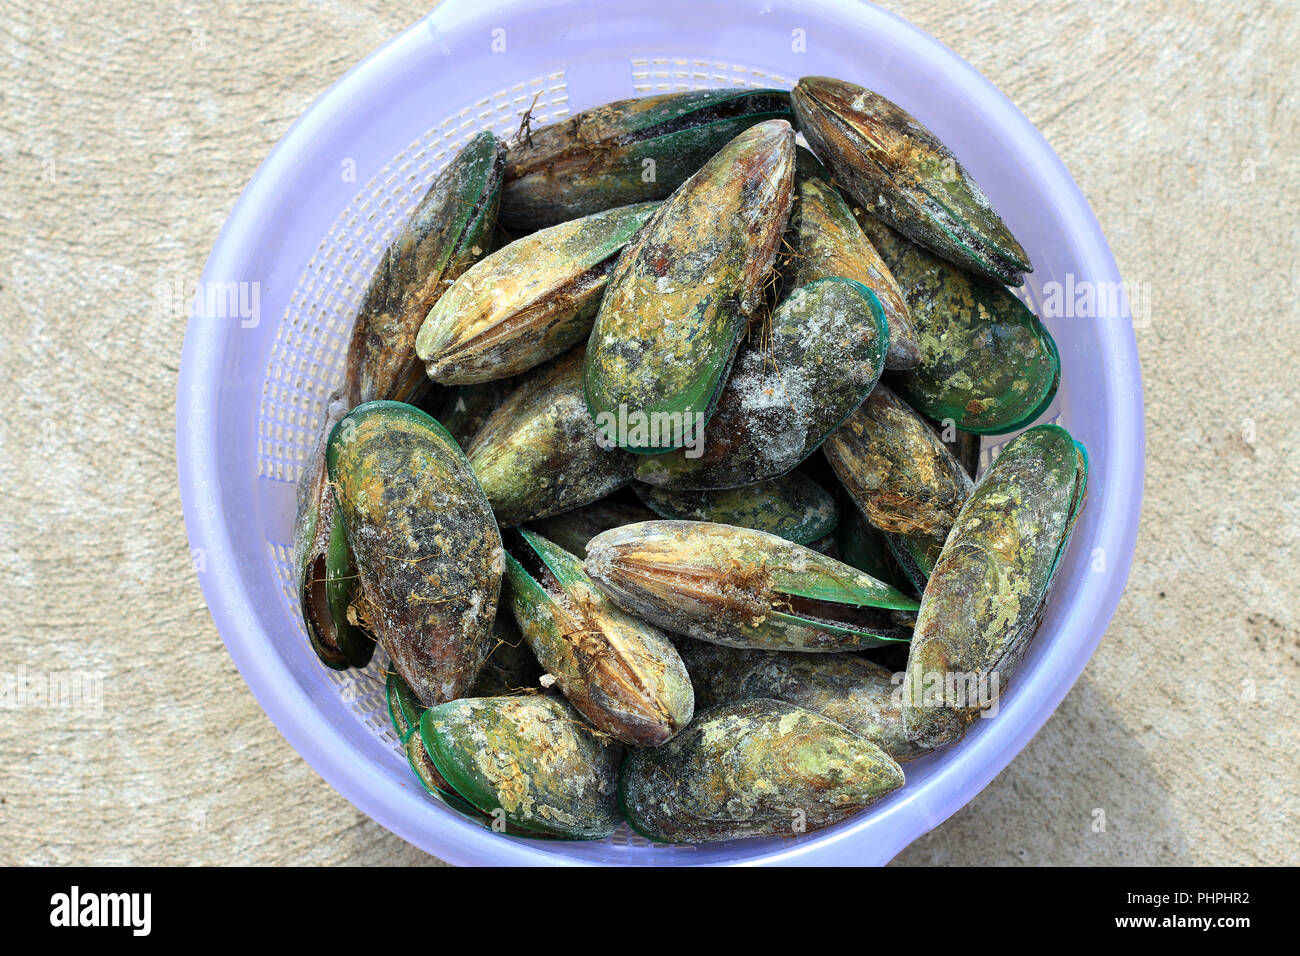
[{"x": 276, "y": 302}]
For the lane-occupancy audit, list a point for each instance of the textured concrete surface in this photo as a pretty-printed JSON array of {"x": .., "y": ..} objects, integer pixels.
[{"x": 126, "y": 136}]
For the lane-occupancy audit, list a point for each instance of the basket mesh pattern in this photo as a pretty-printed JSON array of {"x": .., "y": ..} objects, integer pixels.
[
  {"x": 306, "y": 359},
  {"x": 672, "y": 74}
]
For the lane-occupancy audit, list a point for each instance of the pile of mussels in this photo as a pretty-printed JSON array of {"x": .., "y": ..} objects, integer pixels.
[{"x": 569, "y": 483}]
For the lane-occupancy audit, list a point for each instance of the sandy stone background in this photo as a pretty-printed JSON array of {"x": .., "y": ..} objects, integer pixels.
[{"x": 128, "y": 130}]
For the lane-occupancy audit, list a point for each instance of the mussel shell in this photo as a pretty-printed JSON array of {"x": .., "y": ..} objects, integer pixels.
[
  {"x": 988, "y": 365},
  {"x": 743, "y": 588},
  {"x": 901, "y": 172},
  {"x": 528, "y": 302},
  {"x": 896, "y": 469},
  {"x": 817, "y": 358},
  {"x": 539, "y": 453},
  {"x": 629, "y": 151},
  {"x": 422, "y": 765},
  {"x": 846, "y": 688},
  {"x": 623, "y": 675},
  {"x": 683, "y": 290},
  {"x": 450, "y": 229},
  {"x": 425, "y": 544},
  {"x": 531, "y": 759},
  {"x": 315, "y": 552},
  {"x": 404, "y": 708},
  {"x": 793, "y": 507},
  {"x": 342, "y": 588},
  {"x": 753, "y": 768},
  {"x": 985, "y": 595}
]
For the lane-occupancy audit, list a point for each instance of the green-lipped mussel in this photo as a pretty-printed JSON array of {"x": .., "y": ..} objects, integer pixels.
[
  {"x": 449, "y": 231},
  {"x": 683, "y": 291},
  {"x": 743, "y": 588},
  {"x": 427, "y": 550},
  {"x": 629, "y": 151},
  {"x": 846, "y": 688},
  {"x": 895, "y": 468},
  {"x": 901, "y": 172},
  {"x": 988, "y": 365},
  {"x": 824, "y": 240},
  {"x": 986, "y": 593},
  {"x": 528, "y": 302},
  {"x": 623, "y": 675},
  {"x": 529, "y": 762},
  {"x": 753, "y": 768},
  {"x": 323, "y": 569}
]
